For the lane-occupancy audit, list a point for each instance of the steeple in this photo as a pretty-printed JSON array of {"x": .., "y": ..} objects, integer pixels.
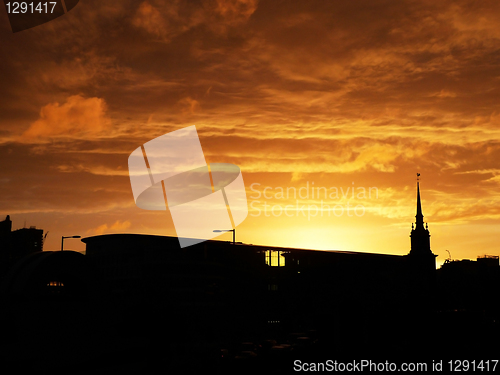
[
  {"x": 421, "y": 261},
  {"x": 419, "y": 217},
  {"x": 420, "y": 237}
]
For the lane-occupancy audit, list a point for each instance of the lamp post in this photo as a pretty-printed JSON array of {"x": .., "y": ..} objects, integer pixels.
[
  {"x": 62, "y": 240},
  {"x": 228, "y": 230}
]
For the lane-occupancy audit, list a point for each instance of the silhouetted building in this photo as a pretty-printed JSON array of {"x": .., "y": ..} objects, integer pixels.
[
  {"x": 488, "y": 261},
  {"x": 469, "y": 286},
  {"x": 420, "y": 236},
  {"x": 422, "y": 269},
  {"x": 16, "y": 244},
  {"x": 353, "y": 298},
  {"x": 142, "y": 297},
  {"x": 26, "y": 241},
  {"x": 5, "y": 227},
  {"x": 468, "y": 310}
]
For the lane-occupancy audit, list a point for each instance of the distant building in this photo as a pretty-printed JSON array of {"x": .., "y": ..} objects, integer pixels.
[
  {"x": 467, "y": 305},
  {"x": 5, "y": 227},
  {"x": 488, "y": 261},
  {"x": 469, "y": 286},
  {"x": 16, "y": 244}
]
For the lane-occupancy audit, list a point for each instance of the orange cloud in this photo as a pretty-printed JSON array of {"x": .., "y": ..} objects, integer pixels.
[
  {"x": 236, "y": 10},
  {"x": 167, "y": 21},
  {"x": 149, "y": 18},
  {"x": 78, "y": 117},
  {"x": 118, "y": 226},
  {"x": 188, "y": 105},
  {"x": 445, "y": 94}
]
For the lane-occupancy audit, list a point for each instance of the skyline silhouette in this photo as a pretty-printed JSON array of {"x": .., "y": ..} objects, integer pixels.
[
  {"x": 325, "y": 110},
  {"x": 142, "y": 300}
]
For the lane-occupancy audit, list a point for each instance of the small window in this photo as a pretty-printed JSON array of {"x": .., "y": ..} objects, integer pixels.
[
  {"x": 275, "y": 258},
  {"x": 54, "y": 283}
]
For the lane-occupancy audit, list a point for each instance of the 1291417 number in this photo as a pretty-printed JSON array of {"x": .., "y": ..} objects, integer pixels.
[
  {"x": 473, "y": 366},
  {"x": 31, "y": 7}
]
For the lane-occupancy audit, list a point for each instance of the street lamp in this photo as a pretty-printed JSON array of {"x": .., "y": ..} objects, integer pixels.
[
  {"x": 62, "y": 240},
  {"x": 228, "y": 230}
]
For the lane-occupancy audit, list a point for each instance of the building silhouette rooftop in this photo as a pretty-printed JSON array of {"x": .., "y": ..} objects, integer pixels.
[{"x": 189, "y": 303}]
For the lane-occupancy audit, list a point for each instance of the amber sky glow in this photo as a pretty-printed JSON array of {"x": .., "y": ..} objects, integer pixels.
[{"x": 293, "y": 92}]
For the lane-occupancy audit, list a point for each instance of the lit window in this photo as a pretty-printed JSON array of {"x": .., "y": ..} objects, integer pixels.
[
  {"x": 275, "y": 258},
  {"x": 55, "y": 283}
]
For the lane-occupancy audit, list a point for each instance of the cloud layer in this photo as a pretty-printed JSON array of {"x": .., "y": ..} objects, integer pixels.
[{"x": 324, "y": 91}]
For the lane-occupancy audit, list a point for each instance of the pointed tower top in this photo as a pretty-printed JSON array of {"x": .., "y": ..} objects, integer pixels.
[
  {"x": 419, "y": 217},
  {"x": 420, "y": 237}
]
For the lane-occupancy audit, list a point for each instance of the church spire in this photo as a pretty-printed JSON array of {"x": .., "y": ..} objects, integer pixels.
[
  {"x": 420, "y": 237},
  {"x": 419, "y": 217},
  {"x": 421, "y": 260}
]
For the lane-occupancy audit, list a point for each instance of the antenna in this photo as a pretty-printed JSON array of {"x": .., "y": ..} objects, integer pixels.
[
  {"x": 449, "y": 257},
  {"x": 44, "y": 238}
]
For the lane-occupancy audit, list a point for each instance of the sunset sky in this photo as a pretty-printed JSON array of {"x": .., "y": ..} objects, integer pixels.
[{"x": 331, "y": 94}]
